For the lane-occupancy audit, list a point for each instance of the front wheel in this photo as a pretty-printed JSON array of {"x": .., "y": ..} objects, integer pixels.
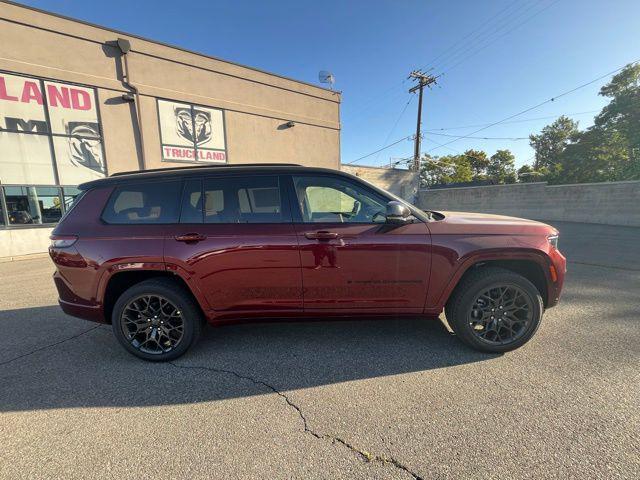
[
  {"x": 156, "y": 320},
  {"x": 495, "y": 310}
]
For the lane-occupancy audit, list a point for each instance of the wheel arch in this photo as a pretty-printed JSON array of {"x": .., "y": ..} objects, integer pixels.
[
  {"x": 534, "y": 266},
  {"x": 119, "y": 282}
]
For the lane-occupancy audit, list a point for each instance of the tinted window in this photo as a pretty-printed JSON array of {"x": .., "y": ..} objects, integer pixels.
[
  {"x": 243, "y": 200},
  {"x": 334, "y": 200},
  {"x": 33, "y": 205},
  {"x": 191, "y": 209},
  {"x": 144, "y": 203}
]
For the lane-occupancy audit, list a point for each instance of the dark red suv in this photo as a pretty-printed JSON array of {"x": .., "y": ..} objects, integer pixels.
[{"x": 159, "y": 253}]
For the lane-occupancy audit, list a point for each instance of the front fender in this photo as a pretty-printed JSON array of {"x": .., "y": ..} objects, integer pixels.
[
  {"x": 540, "y": 258},
  {"x": 451, "y": 261}
]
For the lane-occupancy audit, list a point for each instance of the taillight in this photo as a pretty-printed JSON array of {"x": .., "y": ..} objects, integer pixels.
[{"x": 63, "y": 241}]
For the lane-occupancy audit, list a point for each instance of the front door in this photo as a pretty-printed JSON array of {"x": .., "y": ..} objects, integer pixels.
[
  {"x": 236, "y": 242},
  {"x": 351, "y": 259}
]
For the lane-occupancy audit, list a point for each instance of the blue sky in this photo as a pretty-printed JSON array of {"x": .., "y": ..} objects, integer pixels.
[{"x": 498, "y": 57}]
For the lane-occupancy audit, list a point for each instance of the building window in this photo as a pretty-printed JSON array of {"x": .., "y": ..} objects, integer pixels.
[
  {"x": 2, "y": 221},
  {"x": 33, "y": 205},
  {"x": 191, "y": 133},
  {"x": 49, "y": 132},
  {"x": 70, "y": 195}
]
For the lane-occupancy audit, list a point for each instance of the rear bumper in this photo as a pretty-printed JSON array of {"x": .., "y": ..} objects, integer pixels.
[
  {"x": 75, "y": 305},
  {"x": 85, "y": 312}
]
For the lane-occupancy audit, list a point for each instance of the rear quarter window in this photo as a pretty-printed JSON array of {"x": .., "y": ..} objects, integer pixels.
[{"x": 144, "y": 203}]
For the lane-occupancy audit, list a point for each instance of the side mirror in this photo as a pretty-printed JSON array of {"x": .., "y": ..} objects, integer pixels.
[{"x": 398, "y": 213}]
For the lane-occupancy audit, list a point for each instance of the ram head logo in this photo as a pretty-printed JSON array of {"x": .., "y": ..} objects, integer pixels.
[
  {"x": 85, "y": 145},
  {"x": 193, "y": 124}
]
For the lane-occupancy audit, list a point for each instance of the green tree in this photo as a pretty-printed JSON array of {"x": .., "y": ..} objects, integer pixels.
[
  {"x": 551, "y": 142},
  {"x": 526, "y": 174},
  {"x": 623, "y": 111},
  {"x": 610, "y": 149},
  {"x": 479, "y": 162},
  {"x": 599, "y": 155},
  {"x": 621, "y": 119},
  {"x": 444, "y": 170},
  {"x": 501, "y": 168}
]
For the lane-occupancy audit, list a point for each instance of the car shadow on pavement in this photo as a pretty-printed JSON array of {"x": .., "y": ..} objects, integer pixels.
[{"x": 73, "y": 364}]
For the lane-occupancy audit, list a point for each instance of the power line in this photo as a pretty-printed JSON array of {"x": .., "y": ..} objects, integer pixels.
[
  {"x": 455, "y": 45},
  {"x": 494, "y": 29},
  {"x": 370, "y": 100},
  {"x": 409, "y": 137},
  {"x": 393, "y": 129},
  {"x": 458, "y": 152},
  {"x": 408, "y": 160},
  {"x": 462, "y": 48},
  {"x": 477, "y": 138},
  {"x": 522, "y": 120},
  {"x": 552, "y": 99},
  {"x": 476, "y": 48},
  {"x": 459, "y": 49}
]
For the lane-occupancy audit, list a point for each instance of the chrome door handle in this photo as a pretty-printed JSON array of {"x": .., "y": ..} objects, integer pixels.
[
  {"x": 322, "y": 235},
  {"x": 190, "y": 237}
]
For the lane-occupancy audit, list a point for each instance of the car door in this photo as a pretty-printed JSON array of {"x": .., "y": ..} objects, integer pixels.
[
  {"x": 237, "y": 244},
  {"x": 351, "y": 259}
]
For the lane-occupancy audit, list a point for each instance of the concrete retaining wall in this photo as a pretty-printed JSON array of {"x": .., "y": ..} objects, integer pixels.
[
  {"x": 403, "y": 183},
  {"x": 610, "y": 203},
  {"x": 23, "y": 242}
]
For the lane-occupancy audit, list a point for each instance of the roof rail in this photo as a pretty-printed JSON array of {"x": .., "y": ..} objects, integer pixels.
[{"x": 165, "y": 169}]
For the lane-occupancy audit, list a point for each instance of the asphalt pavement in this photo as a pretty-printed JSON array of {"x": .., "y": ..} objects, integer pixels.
[{"x": 379, "y": 399}]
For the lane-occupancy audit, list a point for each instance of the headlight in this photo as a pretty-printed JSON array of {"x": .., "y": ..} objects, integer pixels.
[{"x": 553, "y": 240}]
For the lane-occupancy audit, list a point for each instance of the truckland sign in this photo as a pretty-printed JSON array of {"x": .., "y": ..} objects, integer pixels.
[
  {"x": 48, "y": 128},
  {"x": 191, "y": 133}
]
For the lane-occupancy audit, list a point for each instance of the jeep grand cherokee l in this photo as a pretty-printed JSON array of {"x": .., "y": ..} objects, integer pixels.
[{"x": 158, "y": 253}]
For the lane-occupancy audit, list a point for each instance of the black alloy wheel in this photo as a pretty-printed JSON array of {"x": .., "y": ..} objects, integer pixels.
[
  {"x": 494, "y": 310},
  {"x": 152, "y": 324},
  {"x": 157, "y": 320},
  {"x": 501, "y": 314}
]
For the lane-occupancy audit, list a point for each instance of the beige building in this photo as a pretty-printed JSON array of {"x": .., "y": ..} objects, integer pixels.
[{"x": 79, "y": 101}]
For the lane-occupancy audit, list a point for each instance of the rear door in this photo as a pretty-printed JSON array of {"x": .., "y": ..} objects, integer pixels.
[
  {"x": 237, "y": 244},
  {"x": 352, "y": 260}
]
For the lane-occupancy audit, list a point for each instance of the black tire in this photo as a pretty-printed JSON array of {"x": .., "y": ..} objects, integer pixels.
[
  {"x": 188, "y": 315},
  {"x": 464, "y": 309}
]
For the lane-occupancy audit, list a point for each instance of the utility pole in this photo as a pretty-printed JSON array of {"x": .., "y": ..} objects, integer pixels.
[{"x": 424, "y": 80}]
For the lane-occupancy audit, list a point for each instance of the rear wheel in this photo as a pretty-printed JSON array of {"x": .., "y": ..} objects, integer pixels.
[
  {"x": 495, "y": 310},
  {"x": 156, "y": 320}
]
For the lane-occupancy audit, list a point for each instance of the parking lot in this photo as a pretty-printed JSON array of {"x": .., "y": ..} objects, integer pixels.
[{"x": 350, "y": 399}]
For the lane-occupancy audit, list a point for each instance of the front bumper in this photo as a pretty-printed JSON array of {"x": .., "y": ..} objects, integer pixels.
[{"x": 559, "y": 264}]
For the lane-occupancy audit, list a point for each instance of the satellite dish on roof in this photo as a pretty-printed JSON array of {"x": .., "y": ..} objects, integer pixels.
[{"x": 326, "y": 77}]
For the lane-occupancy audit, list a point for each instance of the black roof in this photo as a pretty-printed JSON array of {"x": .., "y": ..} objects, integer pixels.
[{"x": 178, "y": 172}]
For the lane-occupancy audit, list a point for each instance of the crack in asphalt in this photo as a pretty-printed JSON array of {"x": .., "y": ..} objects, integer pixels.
[
  {"x": 73, "y": 337},
  {"x": 362, "y": 454}
]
